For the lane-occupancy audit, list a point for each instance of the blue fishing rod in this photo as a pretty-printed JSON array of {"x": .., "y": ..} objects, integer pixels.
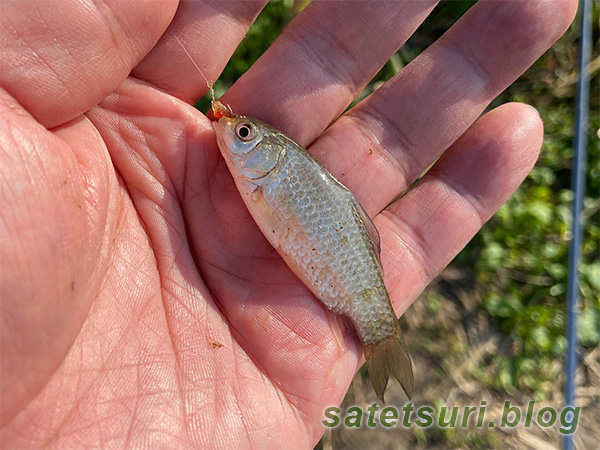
[{"x": 578, "y": 186}]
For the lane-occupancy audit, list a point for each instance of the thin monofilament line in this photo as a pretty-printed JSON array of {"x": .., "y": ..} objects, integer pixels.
[
  {"x": 209, "y": 84},
  {"x": 219, "y": 110}
]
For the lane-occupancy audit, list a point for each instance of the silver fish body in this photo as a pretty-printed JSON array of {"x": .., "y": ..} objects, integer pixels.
[{"x": 322, "y": 233}]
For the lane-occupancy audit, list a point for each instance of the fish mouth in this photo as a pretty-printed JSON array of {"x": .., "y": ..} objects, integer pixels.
[
  {"x": 216, "y": 126},
  {"x": 226, "y": 140},
  {"x": 220, "y": 124},
  {"x": 221, "y": 127}
]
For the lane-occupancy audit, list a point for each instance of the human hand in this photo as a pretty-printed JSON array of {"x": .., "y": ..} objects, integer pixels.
[{"x": 141, "y": 306}]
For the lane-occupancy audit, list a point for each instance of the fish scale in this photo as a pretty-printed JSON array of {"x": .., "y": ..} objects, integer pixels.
[{"x": 320, "y": 242}]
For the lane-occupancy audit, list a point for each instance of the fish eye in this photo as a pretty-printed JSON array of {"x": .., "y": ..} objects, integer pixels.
[{"x": 244, "y": 131}]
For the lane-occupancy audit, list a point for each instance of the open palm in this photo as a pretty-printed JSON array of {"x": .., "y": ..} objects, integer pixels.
[{"x": 140, "y": 305}]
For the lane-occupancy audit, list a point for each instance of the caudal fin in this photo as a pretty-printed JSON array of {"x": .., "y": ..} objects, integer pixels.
[{"x": 389, "y": 358}]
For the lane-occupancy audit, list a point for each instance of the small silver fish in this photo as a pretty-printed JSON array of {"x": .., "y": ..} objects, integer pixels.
[{"x": 322, "y": 233}]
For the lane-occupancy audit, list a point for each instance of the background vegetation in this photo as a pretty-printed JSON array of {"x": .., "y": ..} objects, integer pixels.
[{"x": 493, "y": 324}]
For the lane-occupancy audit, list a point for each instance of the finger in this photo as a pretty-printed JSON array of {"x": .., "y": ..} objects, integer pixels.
[
  {"x": 209, "y": 31},
  {"x": 422, "y": 231},
  {"x": 392, "y": 137},
  {"x": 59, "y": 58},
  {"x": 322, "y": 61}
]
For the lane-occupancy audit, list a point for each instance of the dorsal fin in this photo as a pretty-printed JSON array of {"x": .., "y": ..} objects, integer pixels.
[{"x": 371, "y": 231}]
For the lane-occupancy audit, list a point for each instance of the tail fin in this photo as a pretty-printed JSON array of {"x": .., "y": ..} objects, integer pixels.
[{"x": 389, "y": 358}]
